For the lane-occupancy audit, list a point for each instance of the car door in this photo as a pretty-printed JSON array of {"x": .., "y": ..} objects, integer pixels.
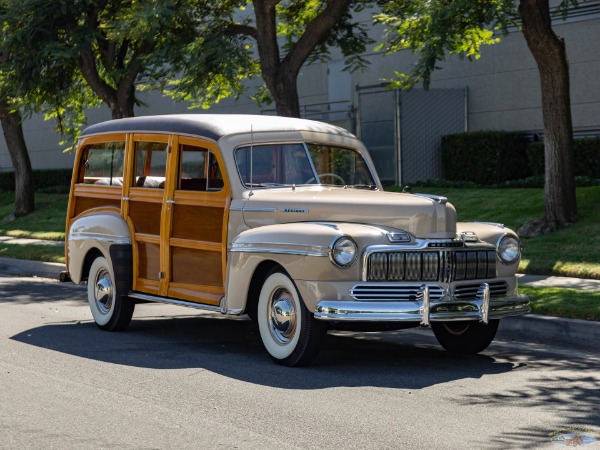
[
  {"x": 144, "y": 208},
  {"x": 197, "y": 207}
]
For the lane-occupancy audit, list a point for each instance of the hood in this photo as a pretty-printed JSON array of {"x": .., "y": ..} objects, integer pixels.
[{"x": 421, "y": 216}]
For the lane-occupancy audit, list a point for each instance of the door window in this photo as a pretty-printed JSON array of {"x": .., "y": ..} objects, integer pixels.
[
  {"x": 199, "y": 170},
  {"x": 150, "y": 164}
]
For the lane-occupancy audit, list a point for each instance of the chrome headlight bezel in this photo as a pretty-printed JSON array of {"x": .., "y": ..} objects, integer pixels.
[
  {"x": 508, "y": 249},
  {"x": 343, "y": 251}
]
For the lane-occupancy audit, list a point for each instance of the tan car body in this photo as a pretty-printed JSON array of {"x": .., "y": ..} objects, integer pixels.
[{"x": 241, "y": 232}]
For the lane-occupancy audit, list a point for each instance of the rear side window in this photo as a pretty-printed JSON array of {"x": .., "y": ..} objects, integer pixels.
[{"x": 102, "y": 164}]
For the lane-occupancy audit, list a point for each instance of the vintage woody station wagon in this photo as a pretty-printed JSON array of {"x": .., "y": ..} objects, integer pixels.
[{"x": 281, "y": 219}]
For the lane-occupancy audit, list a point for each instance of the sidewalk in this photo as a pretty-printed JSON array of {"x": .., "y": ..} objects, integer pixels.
[{"x": 572, "y": 333}]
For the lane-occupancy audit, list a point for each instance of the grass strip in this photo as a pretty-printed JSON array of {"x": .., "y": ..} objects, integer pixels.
[
  {"x": 46, "y": 222},
  {"x": 47, "y": 253},
  {"x": 562, "y": 302}
]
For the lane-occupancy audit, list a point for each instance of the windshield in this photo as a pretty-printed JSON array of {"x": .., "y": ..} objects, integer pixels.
[{"x": 298, "y": 164}]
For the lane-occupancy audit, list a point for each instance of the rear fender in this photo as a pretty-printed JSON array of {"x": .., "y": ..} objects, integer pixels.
[{"x": 94, "y": 232}]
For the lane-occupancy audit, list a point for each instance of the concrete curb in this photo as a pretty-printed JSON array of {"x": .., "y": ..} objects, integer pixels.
[
  {"x": 25, "y": 268},
  {"x": 573, "y": 333},
  {"x": 579, "y": 334}
]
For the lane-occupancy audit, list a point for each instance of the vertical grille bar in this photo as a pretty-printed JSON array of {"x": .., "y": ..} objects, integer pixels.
[
  {"x": 430, "y": 266},
  {"x": 378, "y": 267},
  {"x": 460, "y": 268},
  {"x": 396, "y": 266},
  {"x": 482, "y": 262},
  {"x": 471, "y": 265},
  {"x": 413, "y": 266},
  {"x": 491, "y": 266}
]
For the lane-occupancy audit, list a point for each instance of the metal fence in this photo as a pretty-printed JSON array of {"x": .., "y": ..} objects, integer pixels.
[{"x": 403, "y": 129}]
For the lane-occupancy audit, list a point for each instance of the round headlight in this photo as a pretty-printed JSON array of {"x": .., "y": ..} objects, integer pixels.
[
  {"x": 343, "y": 251},
  {"x": 509, "y": 249}
]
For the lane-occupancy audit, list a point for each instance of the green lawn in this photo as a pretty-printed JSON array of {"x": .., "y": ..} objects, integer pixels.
[
  {"x": 567, "y": 303},
  {"x": 574, "y": 251},
  {"x": 46, "y": 222}
]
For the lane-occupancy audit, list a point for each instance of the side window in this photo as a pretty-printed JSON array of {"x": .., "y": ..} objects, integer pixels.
[
  {"x": 150, "y": 164},
  {"x": 102, "y": 164},
  {"x": 199, "y": 170}
]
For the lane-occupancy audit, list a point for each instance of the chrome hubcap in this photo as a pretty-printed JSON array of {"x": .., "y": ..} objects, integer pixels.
[
  {"x": 103, "y": 291},
  {"x": 282, "y": 316}
]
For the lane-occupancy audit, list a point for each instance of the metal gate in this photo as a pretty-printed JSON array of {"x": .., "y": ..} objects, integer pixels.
[{"x": 403, "y": 129}]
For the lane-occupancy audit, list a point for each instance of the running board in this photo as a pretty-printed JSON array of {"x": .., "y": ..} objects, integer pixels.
[{"x": 172, "y": 301}]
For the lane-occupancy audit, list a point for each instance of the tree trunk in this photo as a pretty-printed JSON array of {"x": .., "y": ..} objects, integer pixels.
[
  {"x": 281, "y": 76},
  {"x": 15, "y": 141},
  {"x": 285, "y": 95},
  {"x": 120, "y": 101},
  {"x": 560, "y": 205}
]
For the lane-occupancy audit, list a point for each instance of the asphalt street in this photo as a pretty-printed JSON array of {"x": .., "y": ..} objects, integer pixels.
[{"x": 179, "y": 378}]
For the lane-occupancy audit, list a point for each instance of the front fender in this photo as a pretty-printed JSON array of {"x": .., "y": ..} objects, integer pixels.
[
  {"x": 94, "y": 231},
  {"x": 302, "y": 249}
]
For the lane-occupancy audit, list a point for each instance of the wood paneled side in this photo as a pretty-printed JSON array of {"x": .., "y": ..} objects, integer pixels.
[{"x": 197, "y": 222}]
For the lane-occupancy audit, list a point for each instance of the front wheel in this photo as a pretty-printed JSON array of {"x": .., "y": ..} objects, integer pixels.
[
  {"x": 290, "y": 334},
  {"x": 465, "y": 337},
  {"x": 107, "y": 296}
]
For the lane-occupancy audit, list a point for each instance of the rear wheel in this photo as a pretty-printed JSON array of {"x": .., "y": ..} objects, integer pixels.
[
  {"x": 107, "y": 296},
  {"x": 290, "y": 334},
  {"x": 465, "y": 337}
]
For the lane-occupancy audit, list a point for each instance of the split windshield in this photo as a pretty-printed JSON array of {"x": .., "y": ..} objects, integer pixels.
[{"x": 300, "y": 164}]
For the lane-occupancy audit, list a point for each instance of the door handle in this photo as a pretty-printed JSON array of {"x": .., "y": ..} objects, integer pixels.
[{"x": 170, "y": 202}]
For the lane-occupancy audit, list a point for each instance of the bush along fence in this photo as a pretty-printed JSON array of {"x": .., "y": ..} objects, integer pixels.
[
  {"x": 495, "y": 157},
  {"x": 50, "y": 180}
]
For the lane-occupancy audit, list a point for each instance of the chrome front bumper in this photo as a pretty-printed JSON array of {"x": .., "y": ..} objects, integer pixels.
[{"x": 424, "y": 310}]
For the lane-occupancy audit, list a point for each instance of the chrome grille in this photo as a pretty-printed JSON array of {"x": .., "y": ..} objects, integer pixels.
[
  {"x": 440, "y": 265},
  {"x": 469, "y": 291},
  {"x": 410, "y": 292},
  {"x": 404, "y": 293}
]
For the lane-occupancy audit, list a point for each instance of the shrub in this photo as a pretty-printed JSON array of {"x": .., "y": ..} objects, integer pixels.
[
  {"x": 485, "y": 157},
  {"x": 587, "y": 157},
  {"x": 51, "y": 180}
]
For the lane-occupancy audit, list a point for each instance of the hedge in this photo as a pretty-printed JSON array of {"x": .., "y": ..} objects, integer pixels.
[
  {"x": 587, "y": 157},
  {"x": 55, "y": 180},
  {"x": 495, "y": 157},
  {"x": 485, "y": 157}
]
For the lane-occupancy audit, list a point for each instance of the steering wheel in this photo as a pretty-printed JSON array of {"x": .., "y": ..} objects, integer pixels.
[{"x": 335, "y": 176}]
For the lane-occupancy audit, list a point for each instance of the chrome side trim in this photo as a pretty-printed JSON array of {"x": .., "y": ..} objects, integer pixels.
[
  {"x": 494, "y": 224},
  {"x": 101, "y": 237},
  {"x": 436, "y": 198},
  {"x": 284, "y": 248},
  {"x": 440, "y": 311},
  {"x": 172, "y": 301},
  {"x": 258, "y": 209},
  {"x": 236, "y": 208}
]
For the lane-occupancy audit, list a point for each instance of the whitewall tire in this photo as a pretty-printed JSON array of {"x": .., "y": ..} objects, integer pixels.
[
  {"x": 111, "y": 308},
  {"x": 290, "y": 334}
]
